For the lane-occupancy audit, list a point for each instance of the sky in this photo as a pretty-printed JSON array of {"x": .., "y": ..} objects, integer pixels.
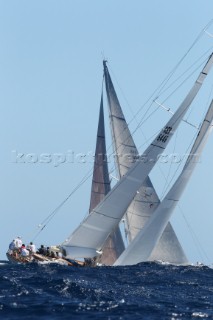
[{"x": 51, "y": 78}]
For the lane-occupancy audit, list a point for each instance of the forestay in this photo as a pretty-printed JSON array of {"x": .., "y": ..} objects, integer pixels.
[
  {"x": 87, "y": 240},
  {"x": 146, "y": 199},
  {"x": 141, "y": 247}
]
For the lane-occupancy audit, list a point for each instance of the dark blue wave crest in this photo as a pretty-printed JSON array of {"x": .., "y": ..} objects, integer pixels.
[{"x": 144, "y": 291}]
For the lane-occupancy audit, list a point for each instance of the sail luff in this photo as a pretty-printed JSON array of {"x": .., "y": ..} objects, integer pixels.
[
  {"x": 142, "y": 246},
  {"x": 146, "y": 199},
  {"x": 90, "y": 236},
  {"x": 114, "y": 245},
  {"x": 100, "y": 180},
  {"x": 110, "y": 87}
]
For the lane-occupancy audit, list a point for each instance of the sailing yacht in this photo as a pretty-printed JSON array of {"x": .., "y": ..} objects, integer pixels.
[
  {"x": 89, "y": 238},
  {"x": 98, "y": 235}
]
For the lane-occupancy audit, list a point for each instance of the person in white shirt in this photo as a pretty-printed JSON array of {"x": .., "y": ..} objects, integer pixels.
[
  {"x": 18, "y": 242},
  {"x": 24, "y": 251},
  {"x": 31, "y": 247},
  {"x": 60, "y": 254}
]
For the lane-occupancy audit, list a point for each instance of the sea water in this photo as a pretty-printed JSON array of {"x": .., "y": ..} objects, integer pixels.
[{"x": 143, "y": 291}]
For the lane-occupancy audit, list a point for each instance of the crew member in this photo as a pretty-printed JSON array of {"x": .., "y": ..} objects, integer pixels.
[{"x": 24, "y": 251}]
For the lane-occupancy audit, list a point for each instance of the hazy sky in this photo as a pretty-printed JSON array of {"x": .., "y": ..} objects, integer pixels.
[{"x": 50, "y": 79}]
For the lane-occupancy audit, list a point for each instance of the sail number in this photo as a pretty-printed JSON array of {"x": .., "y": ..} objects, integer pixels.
[{"x": 164, "y": 136}]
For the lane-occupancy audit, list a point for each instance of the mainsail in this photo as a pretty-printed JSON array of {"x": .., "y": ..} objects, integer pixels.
[
  {"x": 146, "y": 199},
  {"x": 88, "y": 239},
  {"x": 114, "y": 245},
  {"x": 141, "y": 247}
]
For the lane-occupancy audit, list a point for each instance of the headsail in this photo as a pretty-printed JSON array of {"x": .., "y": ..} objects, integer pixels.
[
  {"x": 114, "y": 245},
  {"x": 146, "y": 199},
  {"x": 90, "y": 236},
  {"x": 141, "y": 247}
]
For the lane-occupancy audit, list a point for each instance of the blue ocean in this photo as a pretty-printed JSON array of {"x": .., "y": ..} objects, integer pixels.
[{"x": 143, "y": 291}]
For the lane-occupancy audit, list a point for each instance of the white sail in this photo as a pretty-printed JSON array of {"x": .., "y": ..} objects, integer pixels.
[
  {"x": 141, "y": 247},
  {"x": 146, "y": 199},
  {"x": 90, "y": 236}
]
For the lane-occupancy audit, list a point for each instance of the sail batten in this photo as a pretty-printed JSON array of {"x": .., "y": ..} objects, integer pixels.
[
  {"x": 142, "y": 246},
  {"x": 118, "y": 199}
]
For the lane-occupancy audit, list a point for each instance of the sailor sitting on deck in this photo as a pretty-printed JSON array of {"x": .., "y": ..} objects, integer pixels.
[
  {"x": 31, "y": 247},
  {"x": 24, "y": 251},
  {"x": 15, "y": 246},
  {"x": 42, "y": 250}
]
